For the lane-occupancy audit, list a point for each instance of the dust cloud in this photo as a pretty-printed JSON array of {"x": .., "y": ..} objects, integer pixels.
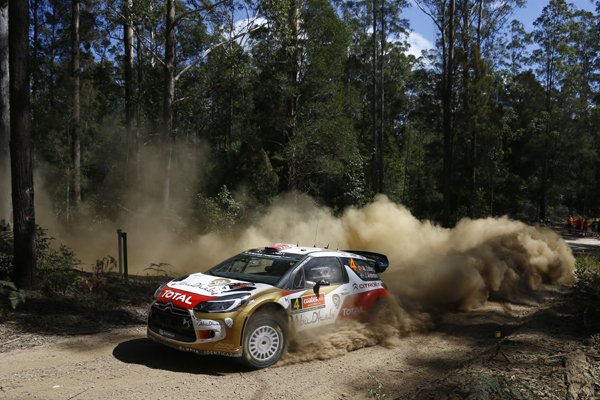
[{"x": 430, "y": 266}]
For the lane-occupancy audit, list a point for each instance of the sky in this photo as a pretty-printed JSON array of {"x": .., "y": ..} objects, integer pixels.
[{"x": 424, "y": 32}]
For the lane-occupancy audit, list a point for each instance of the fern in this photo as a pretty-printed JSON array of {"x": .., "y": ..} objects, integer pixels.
[{"x": 14, "y": 295}]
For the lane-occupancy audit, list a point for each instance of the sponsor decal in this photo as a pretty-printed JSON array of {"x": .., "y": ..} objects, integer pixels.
[
  {"x": 229, "y": 322},
  {"x": 354, "y": 311},
  {"x": 198, "y": 285},
  {"x": 208, "y": 352},
  {"x": 316, "y": 316},
  {"x": 270, "y": 254},
  {"x": 313, "y": 300},
  {"x": 366, "y": 285},
  {"x": 193, "y": 350},
  {"x": 234, "y": 286},
  {"x": 170, "y": 294},
  {"x": 219, "y": 282},
  {"x": 369, "y": 285},
  {"x": 207, "y": 323},
  {"x": 307, "y": 303},
  {"x": 336, "y": 301},
  {"x": 166, "y": 334},
  {"x": 226, "y": 347}
]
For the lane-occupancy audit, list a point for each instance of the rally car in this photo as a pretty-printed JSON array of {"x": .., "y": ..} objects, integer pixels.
[{"x": 249, "y": 305}]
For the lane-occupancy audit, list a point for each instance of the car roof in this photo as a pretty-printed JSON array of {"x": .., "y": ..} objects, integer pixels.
[{"x": 313, "y": 251}]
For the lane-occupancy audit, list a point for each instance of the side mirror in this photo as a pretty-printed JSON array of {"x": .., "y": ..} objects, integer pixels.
[{"x": 322, "y": 282}]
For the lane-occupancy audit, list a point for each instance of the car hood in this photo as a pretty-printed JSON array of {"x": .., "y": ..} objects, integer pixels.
[
  {"x": 196, "y": 288},
  {"x": 214, "y": 286}
]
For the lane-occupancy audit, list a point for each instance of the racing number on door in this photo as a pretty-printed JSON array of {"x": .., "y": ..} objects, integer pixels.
[{"x": 297, "y": 304}]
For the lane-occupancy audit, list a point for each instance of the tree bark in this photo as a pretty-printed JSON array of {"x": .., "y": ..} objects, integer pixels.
[
  {"x": 21, "y": 146},
  {"x": 130, "y": 114},
  {"x": 75, "y": 128},
  {"x": 168, "y": 97},
  {"x": 5, "y": 203},
  {"x": 374, "y": 175},
  {"x": 292, "y": 101},
  {"x": 447, "y": 104},
  {"x": 381, "y": 83}
]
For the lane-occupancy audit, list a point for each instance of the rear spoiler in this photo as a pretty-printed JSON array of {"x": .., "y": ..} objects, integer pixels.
[{"x": 381, "y": 261}]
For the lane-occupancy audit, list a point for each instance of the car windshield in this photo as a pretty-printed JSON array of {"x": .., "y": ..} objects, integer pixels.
[{"x": 256, "y": 266}]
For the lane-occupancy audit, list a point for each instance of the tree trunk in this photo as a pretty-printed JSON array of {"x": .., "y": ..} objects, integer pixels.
[
  {"x": 21, "y": 146},
  {"x": 292, "y": 101},
  {"x": 75, "y": 129},
  {"x": 132, "y": 133},
  {"x": 138, "y": 119},
  {"x": 168, "y": 97},
  {"x": 479, "y": 20},
  {"x": 447, "y": 104},
  {"x": 36, "y": 45},
  {"x": 374, "y": 175},
  {"x": 380, "y": 146},
  {"x": 5, "y": 203}
]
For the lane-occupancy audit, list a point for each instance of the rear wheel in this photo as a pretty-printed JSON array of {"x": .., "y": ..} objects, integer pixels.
[
  {"x": 380, "y": 310},
  {"x": 264, "y": 341}
]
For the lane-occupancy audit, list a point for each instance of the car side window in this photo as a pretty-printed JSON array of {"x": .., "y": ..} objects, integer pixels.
[
  {"x": 328, "y": 268},
  {"x": 298, "y": 279},
  {"x": 363, "y": 268}
]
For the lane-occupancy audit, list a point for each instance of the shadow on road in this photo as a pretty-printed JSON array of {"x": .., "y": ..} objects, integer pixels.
[{"x": 153, "y": 355}]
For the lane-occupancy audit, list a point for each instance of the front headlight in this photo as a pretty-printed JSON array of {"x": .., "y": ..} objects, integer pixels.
[
  {"x": 222, "y": 304},
  {"x": 157, "y": 292},
  {"x": 161, "y": 287}
]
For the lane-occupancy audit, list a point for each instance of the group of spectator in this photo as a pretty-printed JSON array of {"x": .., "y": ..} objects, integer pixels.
[{"x": 582, "y": 225}]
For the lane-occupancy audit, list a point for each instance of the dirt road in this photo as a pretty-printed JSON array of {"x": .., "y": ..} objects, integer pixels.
[{"x": 542, "y": 337}]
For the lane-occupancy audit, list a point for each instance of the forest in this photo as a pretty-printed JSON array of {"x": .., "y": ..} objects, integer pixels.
[{"x": 203, "y": 113}]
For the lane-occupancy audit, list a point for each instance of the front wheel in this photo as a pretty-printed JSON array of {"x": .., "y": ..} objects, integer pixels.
[{"x": 264, "y": 341}]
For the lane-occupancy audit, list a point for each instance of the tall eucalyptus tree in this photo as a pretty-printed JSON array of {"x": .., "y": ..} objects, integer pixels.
[
  {"x": 554, "y": 33},
  {"x": 5, "y": 203}
]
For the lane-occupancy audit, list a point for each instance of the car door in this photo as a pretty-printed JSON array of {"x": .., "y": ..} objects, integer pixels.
[{"x": 309, "y": 310}]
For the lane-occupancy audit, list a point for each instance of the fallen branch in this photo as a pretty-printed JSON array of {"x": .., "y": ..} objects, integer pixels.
[
  {"x": 75, "y": 395},
  {"x": 10, "y": 341}
]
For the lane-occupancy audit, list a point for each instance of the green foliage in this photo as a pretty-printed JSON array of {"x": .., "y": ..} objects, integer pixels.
[
  {"x": 291, "y": 108},
  {"x": 6, "y": 254},
  {"x": 586, "y": 294},
  {"x": 221, "y": 213},
  {"x": 379, "y": 392},
  {"x": 15, "y": 296},
  {"x": 56, "y": 269},
  {"x": 482, "y": 385}
]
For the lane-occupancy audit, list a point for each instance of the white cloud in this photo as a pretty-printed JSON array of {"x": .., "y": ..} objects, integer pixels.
[{"x": 418, "y": 43}]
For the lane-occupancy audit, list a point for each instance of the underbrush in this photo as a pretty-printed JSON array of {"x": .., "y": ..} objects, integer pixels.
[
  {"x": 63, "y": 285},
  {"x": 586, "y": 293}
]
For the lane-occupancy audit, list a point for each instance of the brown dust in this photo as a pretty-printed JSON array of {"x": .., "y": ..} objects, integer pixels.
[{"x": 430, "y": 266}]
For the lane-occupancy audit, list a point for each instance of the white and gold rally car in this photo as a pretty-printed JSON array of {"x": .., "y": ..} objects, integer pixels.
[{"x": 248, "y": 305}]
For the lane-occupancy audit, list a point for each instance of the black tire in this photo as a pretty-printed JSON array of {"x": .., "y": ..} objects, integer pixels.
[
  {"x": 264, "y": 341},
  {"x": 380, "y": 310}
]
